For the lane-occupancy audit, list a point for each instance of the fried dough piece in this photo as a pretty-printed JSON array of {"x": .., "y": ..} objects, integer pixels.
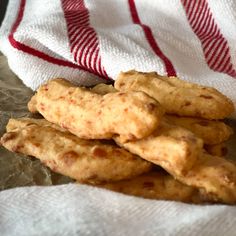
[
  {"x": 103, "y": 89},
  {"x": 215, "y": 176},
  {"x": 89, "y": 115},
  {"x": 177, "y": 96},
  {"x": 83, "y": 160},
  {"x": 172, "y": 147},
  {"x": 219, "y": 150},
  {"x": 212, "y": 132},
  {"x": 19, "y": 123},
  {"x": 156, "y": 185}
]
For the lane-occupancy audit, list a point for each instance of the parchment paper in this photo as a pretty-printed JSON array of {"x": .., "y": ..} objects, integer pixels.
[{"x": 18, "y": 170}]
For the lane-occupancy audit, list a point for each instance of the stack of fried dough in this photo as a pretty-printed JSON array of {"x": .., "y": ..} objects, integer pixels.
[{"x": 150, "y": 136}]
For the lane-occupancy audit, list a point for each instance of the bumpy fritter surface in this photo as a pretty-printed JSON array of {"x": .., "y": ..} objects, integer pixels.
[
  {"x": 212, "y": 132},
  {"x": 171, "y": 147},
  {"x": 83, "y": 160},
  {"x": 156, "y": 185},
  {"x": 89, "y": 115},
  {"x": 177, "y": 96}
]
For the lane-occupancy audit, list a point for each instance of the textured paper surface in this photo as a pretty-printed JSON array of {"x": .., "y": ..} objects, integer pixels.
[{"x": 15, "y": 169}]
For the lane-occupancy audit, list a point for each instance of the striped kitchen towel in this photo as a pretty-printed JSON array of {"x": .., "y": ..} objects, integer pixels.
[{"x": 91, "y": 41}]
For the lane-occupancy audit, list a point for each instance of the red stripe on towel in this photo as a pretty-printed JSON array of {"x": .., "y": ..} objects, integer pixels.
[
  {"x": 35, "y": 52},
  {"x": 215, "y": 46},
  {"x": 83, "y": 38},
  {"x": 151, "y": 40}
]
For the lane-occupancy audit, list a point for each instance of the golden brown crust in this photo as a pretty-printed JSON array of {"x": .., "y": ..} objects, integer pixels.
[
  {"x": 89, "y": 115},
  {"x": 177, "y": 96},
  {"x": 84, "y": 160},
  {"x": 215, "y": 176},
  {"x": 103, "y": 89},
  {"x": 32, "y": 104},
  {"x": 15, "y": 124},
  {"x": 219, "y": 149},
  {"x": 201, "y": 177},
  {"x": 171, "y": 147},
  {"x": 212, "y": 132},
  {"x": 156, "y": 185}
]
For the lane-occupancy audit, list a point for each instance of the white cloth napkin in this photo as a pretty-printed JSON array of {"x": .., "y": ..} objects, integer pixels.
[
  {"x": 83, "y": 210},
  {"x": 89, "y": 41}
]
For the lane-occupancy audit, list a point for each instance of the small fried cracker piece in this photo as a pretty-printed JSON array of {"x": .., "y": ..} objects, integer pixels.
[
  {"x": 212, "y": 132},
  {"x": 172, "y": 147},
  {"x": 83, "y": 160},
  {"x": 103, "y": 89},
  {"x": 156, "y": 185},
  {"x": 219, "y": 150},
  {"x": 89, "y": 115},
  {"x": 215, "y": 176},
  {"x": 177, "y": 96}
]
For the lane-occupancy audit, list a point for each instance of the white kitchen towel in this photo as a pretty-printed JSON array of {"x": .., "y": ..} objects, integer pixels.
[
  {"x": 71, "y": 210},
  {"x": 89, "y": 41}
]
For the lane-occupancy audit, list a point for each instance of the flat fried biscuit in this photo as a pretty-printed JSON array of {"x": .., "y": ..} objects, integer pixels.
[
  {"x": 214, "y": 176},
  {"x": 212, "y": 132},
  {"x": 83, "y": 160},
  {"x": 89, "y": 115},
  {"x": 19, "y": 123},
  {"x": 177, "y": 96},
  {"x": 172, "y": 147}
]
